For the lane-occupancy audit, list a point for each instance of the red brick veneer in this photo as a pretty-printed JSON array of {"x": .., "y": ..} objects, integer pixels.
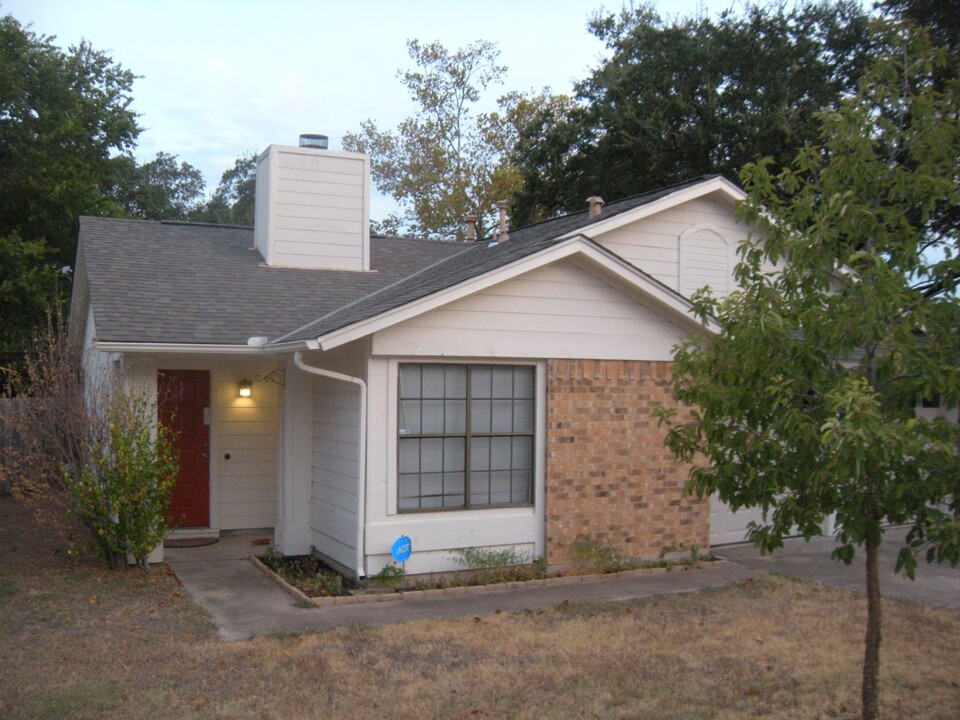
[{"x": 608, "y": 474}]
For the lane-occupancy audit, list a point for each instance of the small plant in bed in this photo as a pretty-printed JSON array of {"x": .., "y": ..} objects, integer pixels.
[
  {"x": 499, "y": 565},
  {"x": 309, "y": 574}
]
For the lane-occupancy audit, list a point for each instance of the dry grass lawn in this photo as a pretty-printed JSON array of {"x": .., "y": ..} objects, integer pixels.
[{"x": 78, "y": 641}]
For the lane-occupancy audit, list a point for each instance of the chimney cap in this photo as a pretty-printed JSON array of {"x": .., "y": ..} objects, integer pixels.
[
  {"x": 594, "y": 205},
  {"x": 314, "y": 140}
]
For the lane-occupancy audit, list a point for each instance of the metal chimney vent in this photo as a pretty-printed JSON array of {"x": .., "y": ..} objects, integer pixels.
[{"x": 317, "y": 142}]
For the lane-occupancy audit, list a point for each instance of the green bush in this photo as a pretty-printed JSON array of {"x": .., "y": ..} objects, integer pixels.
[{"x": 122, "y": 491}]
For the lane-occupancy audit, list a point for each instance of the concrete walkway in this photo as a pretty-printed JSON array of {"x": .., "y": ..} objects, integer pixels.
[
  {"x": 244, "y": 602},
  {"x": 936, "y": 584}
]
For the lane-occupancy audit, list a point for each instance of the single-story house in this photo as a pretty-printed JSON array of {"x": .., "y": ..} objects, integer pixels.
[{"x": 344, "y": 389}]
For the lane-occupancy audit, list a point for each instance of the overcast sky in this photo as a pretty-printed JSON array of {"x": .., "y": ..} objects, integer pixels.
[{"x": 219, "y": 79}]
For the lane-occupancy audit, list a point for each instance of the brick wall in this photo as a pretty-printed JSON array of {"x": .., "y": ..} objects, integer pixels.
[{"x": 608, "y": 475}]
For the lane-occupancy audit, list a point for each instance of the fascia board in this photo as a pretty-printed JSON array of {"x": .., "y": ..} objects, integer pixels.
[
  {"x": 707, "y": 187},
  {"x": 575, "y": 246}
]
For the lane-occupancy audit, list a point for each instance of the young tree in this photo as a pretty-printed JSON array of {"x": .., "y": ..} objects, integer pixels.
[
  {"x": 846, "y": 317},
  {"x": 683, "y": 97},
  {"x": 442, "y": 163}
]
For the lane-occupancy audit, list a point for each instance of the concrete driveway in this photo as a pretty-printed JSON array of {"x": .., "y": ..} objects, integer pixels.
[{"x": 935, "y": 584}]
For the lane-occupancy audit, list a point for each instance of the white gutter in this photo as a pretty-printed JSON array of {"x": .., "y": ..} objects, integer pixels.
[
  {"x": 122, "y": 347},
  {"x": 362, "y": 492}
]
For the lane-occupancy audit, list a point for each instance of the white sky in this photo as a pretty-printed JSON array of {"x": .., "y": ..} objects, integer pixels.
[{"x": 220, "y": 78}]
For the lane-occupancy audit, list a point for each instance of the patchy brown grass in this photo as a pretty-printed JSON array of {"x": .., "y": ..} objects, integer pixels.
[{"x": 78, "y": 641}]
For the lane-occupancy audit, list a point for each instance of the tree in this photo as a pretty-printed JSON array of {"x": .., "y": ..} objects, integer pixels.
[
  {"x": 445, "y": 162},
  {"x": 846, "y": 317},
  {"x": 27, "y": 280},
  {"x": 681, "y": 98},
  {"x": 233, "y": 200},
  {"x": 941, "y": 18},
  {"x": 64, "y": 116},
  {"x": 158, "y": 190}
]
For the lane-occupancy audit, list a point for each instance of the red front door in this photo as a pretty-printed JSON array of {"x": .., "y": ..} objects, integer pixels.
[{"x": 183, "y": 396}]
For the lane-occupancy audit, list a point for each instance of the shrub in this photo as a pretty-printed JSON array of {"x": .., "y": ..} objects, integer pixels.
[{"x": 123, "y": 490}]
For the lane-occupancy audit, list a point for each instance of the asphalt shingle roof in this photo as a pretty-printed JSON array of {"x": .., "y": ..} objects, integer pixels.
[
  {"x": 186, "y": 283},
  {"x": 166, "y": 282}
]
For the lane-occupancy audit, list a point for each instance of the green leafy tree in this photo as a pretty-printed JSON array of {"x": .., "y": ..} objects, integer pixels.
[
  {"x": 679, "y": 98},
  {"x": 233, "y": 200},
  {"x": 846, "y": 317},
  {"x": 27, "y": 280},
  {"x": 446, "y": 161},
  {"x": 64, "y": 116},
  {"x": 941, "y": 18},
  {"x": 161, "y": 189}
]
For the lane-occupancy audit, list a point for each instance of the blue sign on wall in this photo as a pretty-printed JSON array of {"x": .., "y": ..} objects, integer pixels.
[{"x": 401, "y": 549}]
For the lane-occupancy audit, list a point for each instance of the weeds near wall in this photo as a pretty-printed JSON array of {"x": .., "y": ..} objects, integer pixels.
[{"x": 497, "y": 566}]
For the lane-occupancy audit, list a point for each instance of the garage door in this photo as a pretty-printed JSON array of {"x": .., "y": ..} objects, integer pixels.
[{"x": 727, "y": 526}]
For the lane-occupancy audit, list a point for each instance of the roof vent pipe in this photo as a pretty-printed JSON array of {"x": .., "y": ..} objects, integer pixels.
[
  {"x": 317, "y": 142},
  {"x": 472, "y": 227},
  {"x": 594, "y": 206},
  {"x": 503, "y": 235}
]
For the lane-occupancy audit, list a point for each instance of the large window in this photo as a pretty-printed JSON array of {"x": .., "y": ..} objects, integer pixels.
[{"x": 466, "y": 436}]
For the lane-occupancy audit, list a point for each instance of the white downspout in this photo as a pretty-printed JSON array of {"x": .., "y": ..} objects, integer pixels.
[{"x": 362, "y": 497}]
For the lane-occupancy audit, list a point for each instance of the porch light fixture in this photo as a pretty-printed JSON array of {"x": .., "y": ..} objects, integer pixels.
[{"x": 246, "y": 389}]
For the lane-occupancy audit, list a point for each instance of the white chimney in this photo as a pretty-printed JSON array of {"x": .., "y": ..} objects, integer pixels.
[{"x": 313, "y": 208}]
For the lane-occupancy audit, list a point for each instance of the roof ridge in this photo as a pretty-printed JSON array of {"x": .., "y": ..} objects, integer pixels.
[{"x": 194, "y": 223}]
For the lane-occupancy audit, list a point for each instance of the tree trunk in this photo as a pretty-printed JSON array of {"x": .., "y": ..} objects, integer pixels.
[{"x": 871, "y": 658}]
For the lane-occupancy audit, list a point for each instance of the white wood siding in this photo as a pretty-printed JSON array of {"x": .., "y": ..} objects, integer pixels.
[
  {"x": 98, "y": 367},
  {"x": 313, "y": 208},
  {"x": 655, "y": 246},
  {"x": 559, "y": 311},
  {"x": 706, "y": 260},
  {"x": 334, "y": 496},
  {"x": 246, "y": 429}
]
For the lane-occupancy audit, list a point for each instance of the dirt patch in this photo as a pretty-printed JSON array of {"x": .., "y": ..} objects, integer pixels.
[{"x": 80, "y": 641}]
